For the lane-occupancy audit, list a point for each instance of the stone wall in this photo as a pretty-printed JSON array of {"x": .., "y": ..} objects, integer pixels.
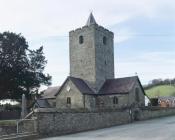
[
  {"x": 77, "y": 100},
  {"x": 155, "y": 112},
  {"x": 7, "y": 130},
  {"x": 52, "y": 123},
  {"x": 24, "y": 126},
  {"x": 104, "y": 55},
  {"x": 106, "y": 101},
  {"x": 132, "y": 95},
  {"x": 27, "y": 125},
  {"x": 82, "y": 56}
]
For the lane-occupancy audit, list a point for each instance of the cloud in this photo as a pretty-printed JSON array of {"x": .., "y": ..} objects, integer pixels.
[
  {"x": 57, "y": 17},
  {"x": 121, "y": 34}
]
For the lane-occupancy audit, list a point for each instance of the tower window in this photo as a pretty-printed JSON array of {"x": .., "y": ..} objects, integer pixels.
[
  {"x": 68, "y": 100},
  {"x": 115, "y": 100},
  {"x": 105, "y": 62},
  {"x": 81, "y": 40},
  {"x": 104, "y": 40}
]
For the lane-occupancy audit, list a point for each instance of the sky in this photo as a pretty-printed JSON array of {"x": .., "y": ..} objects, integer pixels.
[{"x": 144, "y": 32}]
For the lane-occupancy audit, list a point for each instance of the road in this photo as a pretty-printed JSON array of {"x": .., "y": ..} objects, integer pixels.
[{"x": 156, "y": 129}]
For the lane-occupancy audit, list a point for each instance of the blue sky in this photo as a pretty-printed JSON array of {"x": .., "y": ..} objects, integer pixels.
[{"x": 144, "y": 32}]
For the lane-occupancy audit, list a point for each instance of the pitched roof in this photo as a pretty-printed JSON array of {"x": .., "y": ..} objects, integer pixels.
[
  {"x": 110, "y": 86},
  {"x": 50, "y": 92},
  {"x": 80, "y": 84},
  {"x": 41, "y": 103},
  {"x": 91, "y": 20},
  {"x": 118, "y": 86}
]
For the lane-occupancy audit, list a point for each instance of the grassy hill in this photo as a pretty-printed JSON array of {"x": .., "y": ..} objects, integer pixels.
[{"x": 162, "y": 90}]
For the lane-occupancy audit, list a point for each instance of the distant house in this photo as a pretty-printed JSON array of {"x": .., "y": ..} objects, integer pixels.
[
  {"x": 166, "y": 101},
  {"x": 49, "y": 95}
]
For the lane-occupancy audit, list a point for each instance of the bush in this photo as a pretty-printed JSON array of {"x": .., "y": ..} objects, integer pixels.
[{"x": 9, "y": 107}]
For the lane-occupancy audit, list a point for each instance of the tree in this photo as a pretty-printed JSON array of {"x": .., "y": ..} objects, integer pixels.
[
  {"x": 156, "y": 81},
  {"x": 21, "y": 69}
]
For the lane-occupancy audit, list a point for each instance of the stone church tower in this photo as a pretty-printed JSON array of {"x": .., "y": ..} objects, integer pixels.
[{"x": 92, "y": 54}]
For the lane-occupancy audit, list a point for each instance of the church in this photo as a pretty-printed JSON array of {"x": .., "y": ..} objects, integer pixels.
[
  {"x": 92, "y": 84},
  {"x": 91, "y": 97}
]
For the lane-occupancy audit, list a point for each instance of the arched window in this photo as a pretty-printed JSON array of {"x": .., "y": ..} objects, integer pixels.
[
  {"x": 104, "y": 40},
  {"x": 137, "y": 94},
  {"x": 81, "y": 40},
  {"x": 115, "y": 100},
  {"x": 68, "y": 100},
  {"x": 105, "y": 62}
]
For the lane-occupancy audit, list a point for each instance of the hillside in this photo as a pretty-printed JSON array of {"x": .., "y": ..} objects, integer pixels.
[{"x": 162, "y": 90}]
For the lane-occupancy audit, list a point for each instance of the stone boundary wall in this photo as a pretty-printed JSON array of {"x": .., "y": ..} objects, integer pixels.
[
  {"x": 7, "y": 130},
  {"x": 51, "y": 122},
  {"x": 27, "y": 125},
  {"x": 58, "y": 123},
  {"x": 24, "y": 126},
  {"x": 155, "y": 112}
]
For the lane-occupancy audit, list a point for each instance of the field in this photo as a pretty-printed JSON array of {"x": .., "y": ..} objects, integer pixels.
[{"x": 162, "y": 90}]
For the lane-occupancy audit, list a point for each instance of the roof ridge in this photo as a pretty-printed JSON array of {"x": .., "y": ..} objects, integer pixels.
[{"x": 122, "y": 78}]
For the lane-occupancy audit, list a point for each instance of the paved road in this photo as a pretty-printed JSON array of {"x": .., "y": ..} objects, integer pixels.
[{"x": 156, "y": 129}]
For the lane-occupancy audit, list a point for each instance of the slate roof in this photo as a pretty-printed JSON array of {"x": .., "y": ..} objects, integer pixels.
[
  {"x": 41, "y": 103},
  {"x": 81, "y": 85},
  {"x": 166, "y": 98},
  {"x": 50, "y": 92},
  {"x": 110, "y": 86},
  {"x": 118, "y": 86}
]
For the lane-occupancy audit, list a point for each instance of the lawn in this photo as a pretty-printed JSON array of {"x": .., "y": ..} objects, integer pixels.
[
  {"x": 7, "y": 122},
  {"x": 162, "y": 90}
]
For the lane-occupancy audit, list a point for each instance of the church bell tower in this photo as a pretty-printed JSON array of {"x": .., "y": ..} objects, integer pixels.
[{"x": 91, "y": 50}]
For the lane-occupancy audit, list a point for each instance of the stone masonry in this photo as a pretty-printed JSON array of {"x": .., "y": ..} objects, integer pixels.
[
  {"x": 53, "y": 122},
  {"x": 93, "y": 58}
]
